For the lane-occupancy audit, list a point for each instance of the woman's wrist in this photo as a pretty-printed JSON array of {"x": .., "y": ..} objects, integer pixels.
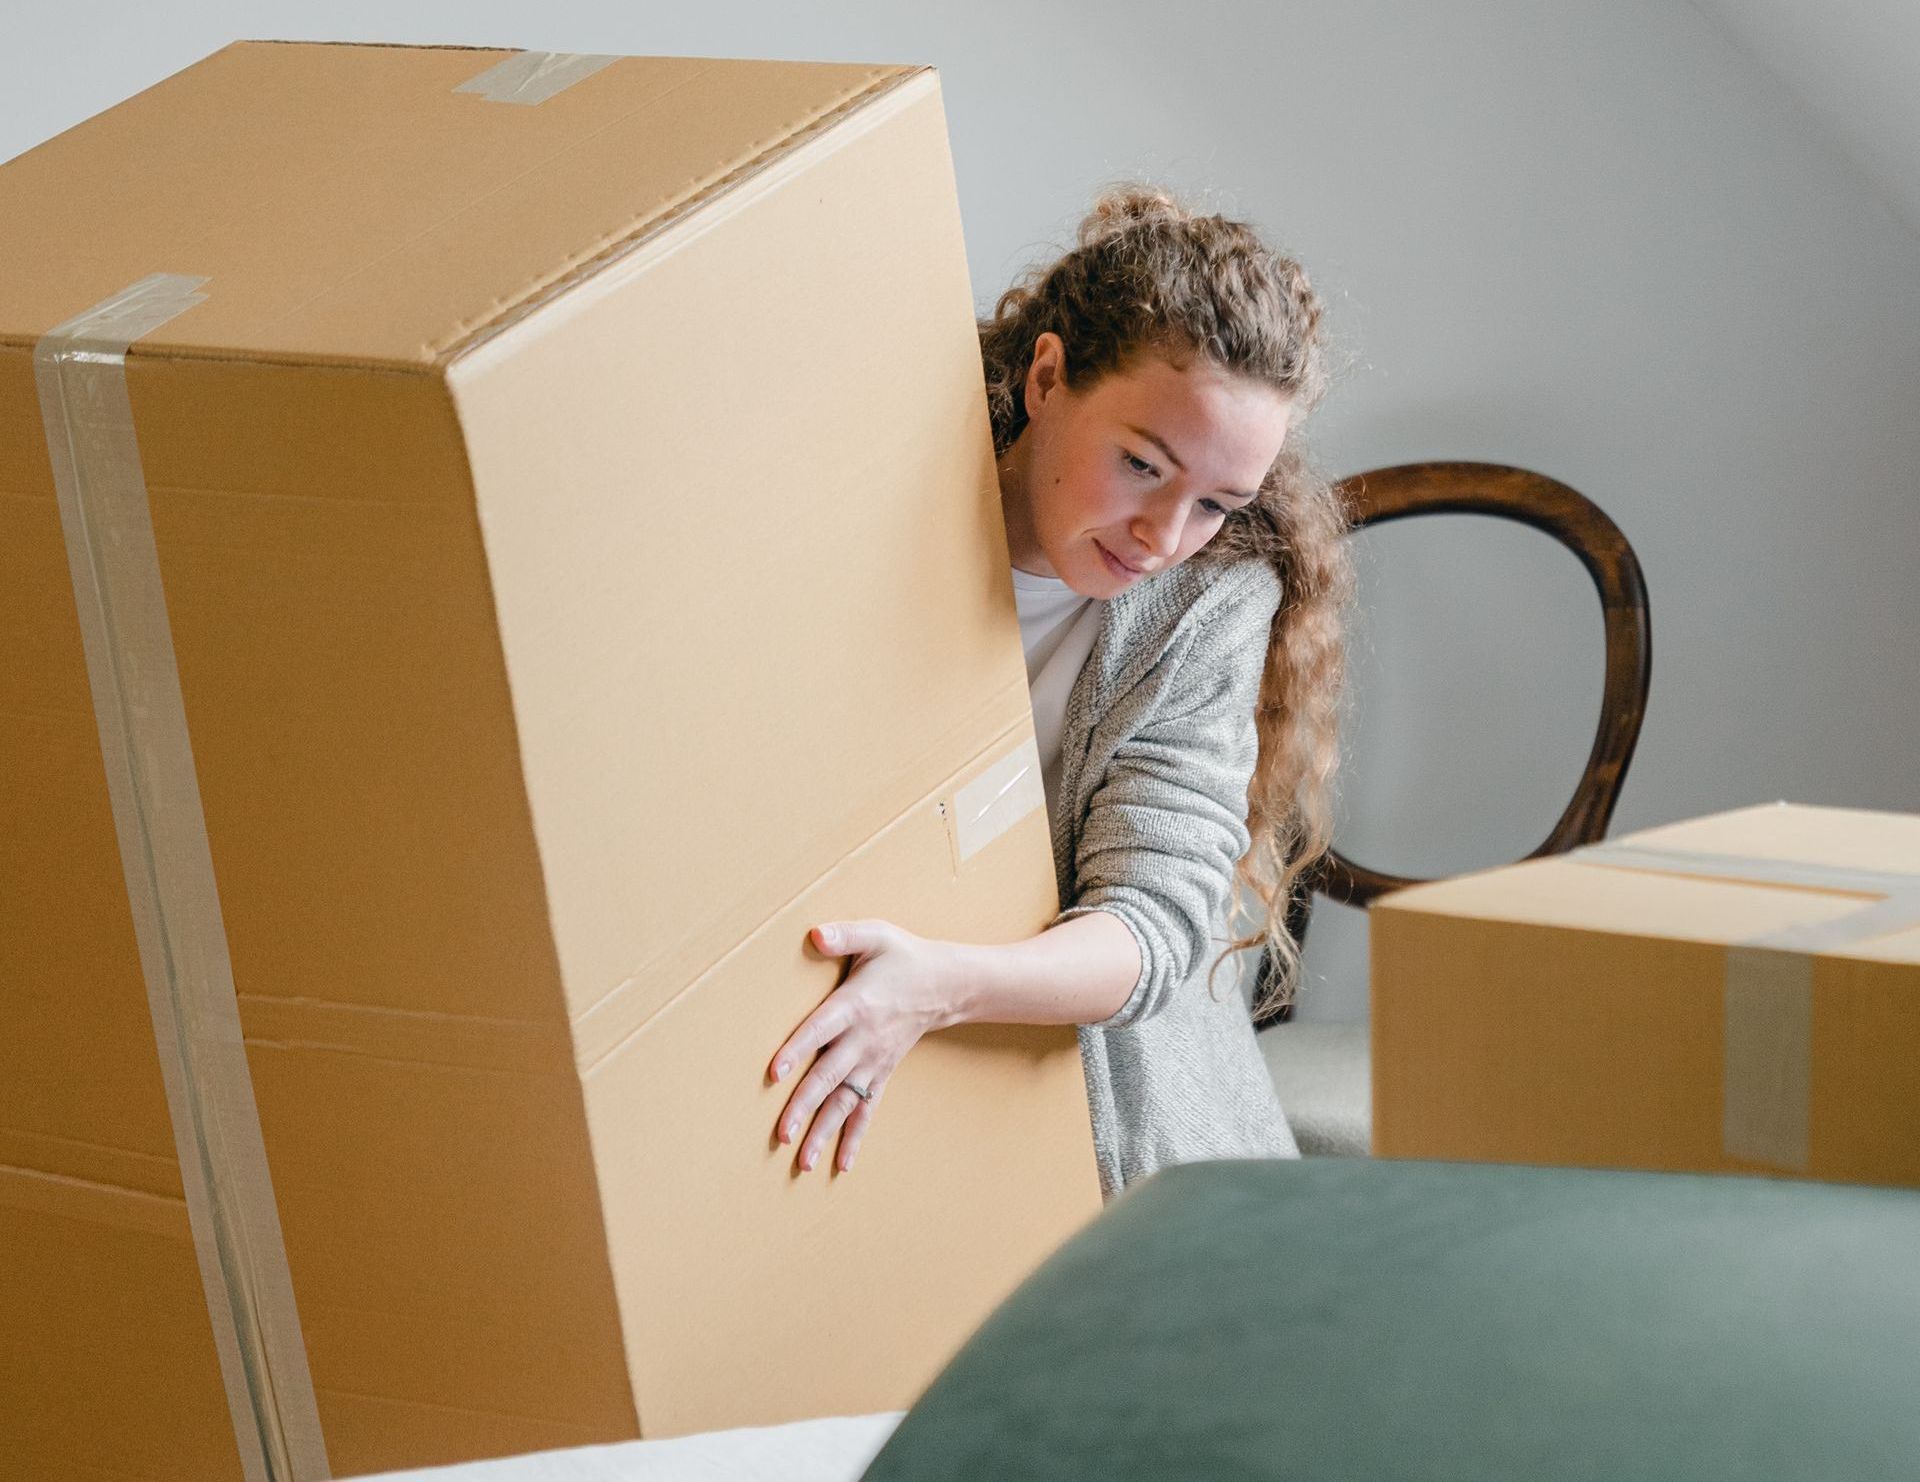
[
  {"x": 1077, "y": 971},
  {"x": 955, "y": 981}
]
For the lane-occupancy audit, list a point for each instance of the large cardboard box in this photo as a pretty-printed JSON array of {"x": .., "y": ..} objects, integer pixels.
[
  {"x": 575, "y": 534},
  {"x": 1735, "y": 993}
]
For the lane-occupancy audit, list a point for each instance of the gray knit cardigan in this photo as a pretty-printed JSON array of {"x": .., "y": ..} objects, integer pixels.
[{"x": 1157, "y": 748}]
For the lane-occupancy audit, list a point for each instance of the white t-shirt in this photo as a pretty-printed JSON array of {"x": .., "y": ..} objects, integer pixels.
[{"x": 1057, "y": 629}]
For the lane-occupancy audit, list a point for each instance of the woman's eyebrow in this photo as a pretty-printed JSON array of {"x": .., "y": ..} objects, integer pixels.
[{"x": 1174, "y": 459}]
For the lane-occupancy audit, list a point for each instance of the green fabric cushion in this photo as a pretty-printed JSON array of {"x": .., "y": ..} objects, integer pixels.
[{"x": 1334, "y": 1319}]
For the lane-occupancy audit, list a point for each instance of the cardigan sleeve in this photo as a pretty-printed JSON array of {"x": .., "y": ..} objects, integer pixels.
[{"x": 1167, "y": 823}]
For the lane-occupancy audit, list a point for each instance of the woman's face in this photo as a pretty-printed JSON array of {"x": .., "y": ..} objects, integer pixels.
[{"x": 1133, "y": 474}]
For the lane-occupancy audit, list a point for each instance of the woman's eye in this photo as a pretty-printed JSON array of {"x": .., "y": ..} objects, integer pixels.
[
  {"x": 1214, "y": 507},
  {"x": 1138, "y": 465}
]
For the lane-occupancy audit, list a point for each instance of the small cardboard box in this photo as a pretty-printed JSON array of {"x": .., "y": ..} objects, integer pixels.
[
  {"x": 1736, "y": 993},
  {"x": 532, "y": 524}
]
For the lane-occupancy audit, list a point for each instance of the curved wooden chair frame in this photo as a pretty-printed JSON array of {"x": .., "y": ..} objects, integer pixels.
[{"x": 1386, "y": 494}]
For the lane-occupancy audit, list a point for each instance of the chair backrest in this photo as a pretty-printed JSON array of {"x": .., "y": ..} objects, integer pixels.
[{"x": 1386, "y": 494}]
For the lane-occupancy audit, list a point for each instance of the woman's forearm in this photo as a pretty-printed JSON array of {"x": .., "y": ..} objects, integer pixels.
[{"x": 1078, "y": 971}]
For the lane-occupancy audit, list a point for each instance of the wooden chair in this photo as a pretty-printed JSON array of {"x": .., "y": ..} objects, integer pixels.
[{"x": 1322, "y": 1070}]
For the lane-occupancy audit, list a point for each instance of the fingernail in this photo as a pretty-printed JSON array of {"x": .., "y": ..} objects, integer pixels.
[
  {"x": 806, "y": 1165},
  {"x": 827, "y": 937},
  {"x": 786, "y": 1133},
  {"x": 780, "y": 1070}
]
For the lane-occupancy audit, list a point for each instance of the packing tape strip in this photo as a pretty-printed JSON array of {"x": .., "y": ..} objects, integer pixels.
[
  {"x": 995, "y": 801},
  {"x": 80, "y": 372},
  {"x": 1767, "y": 1080},
  {"x": 534, "y": 76},
  {"x": 1747, "y": 869}
]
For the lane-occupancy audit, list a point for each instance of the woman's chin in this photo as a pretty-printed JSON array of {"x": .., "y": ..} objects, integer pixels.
[{"x": 1094, "y": 580}]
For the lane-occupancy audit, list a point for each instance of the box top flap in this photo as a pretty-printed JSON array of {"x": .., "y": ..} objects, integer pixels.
[
  {"x": 1722, "y": 886},
  {"x": 1836, "y": 838},
  {"x": 388, "y": 204}
]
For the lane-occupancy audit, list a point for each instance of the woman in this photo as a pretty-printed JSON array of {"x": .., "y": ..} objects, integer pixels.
[{"x": 1180, "y": 573}]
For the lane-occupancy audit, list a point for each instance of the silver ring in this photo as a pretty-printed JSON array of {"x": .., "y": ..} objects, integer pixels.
[{"x": 861, "y": 1091}]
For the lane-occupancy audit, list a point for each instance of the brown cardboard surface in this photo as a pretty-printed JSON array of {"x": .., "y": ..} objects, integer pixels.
[
  {"x": 402, "y": 217},
  {"x": 836, "y": 504},
  {"x": 844, "y": 1265},
  {"x": 113, "y": 1375},
  {"x": 1565, "y": 1012},
  {"x": 579, "y": 537}
]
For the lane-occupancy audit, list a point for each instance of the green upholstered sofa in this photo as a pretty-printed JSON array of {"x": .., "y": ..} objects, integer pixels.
[{"x": 1362, "y": 1319}]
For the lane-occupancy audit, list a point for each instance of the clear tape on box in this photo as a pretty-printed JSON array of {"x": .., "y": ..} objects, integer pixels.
[
  {"x": 1768, "y": 1004},
  {"x": 994, "y": 801},
  {"x": 534, "y": 76},
  {"x": 107, "y": 524},
  {"x": 80, "y": 373}
]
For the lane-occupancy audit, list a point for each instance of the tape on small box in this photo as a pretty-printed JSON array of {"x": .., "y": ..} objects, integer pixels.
[{"x": 1767, "y": 1030}]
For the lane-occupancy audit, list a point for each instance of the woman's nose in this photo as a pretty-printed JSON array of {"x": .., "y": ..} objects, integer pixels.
[{"x": 1162, "y": 535}]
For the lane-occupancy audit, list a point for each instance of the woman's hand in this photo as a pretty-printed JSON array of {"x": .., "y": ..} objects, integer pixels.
[{"x": 900, "y": 987}]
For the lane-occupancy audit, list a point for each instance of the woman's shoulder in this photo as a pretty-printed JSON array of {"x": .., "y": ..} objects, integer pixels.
[
  {"x": 1202, "y": 593},
  {"x": 1199, "y": 610}
]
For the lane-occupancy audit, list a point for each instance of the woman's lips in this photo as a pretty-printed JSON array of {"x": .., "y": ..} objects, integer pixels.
[{"x": 1118, "y": 567}]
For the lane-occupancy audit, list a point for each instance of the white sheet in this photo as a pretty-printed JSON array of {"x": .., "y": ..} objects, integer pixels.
[{"x": 834, "y": 1450}]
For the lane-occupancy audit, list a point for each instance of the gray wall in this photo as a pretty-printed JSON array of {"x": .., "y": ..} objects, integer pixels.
[
  {"x": 1855, "y": 65},
  {"x": 1594, "y": 239}
]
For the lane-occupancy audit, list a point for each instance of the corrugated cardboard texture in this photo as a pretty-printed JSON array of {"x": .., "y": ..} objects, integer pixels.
[
  {"x": 1570, "y": 1013},
  {"x": 563, "y": 628}
]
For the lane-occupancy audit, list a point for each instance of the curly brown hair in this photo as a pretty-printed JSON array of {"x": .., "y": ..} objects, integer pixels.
[{"x": 1150, "y": 277}]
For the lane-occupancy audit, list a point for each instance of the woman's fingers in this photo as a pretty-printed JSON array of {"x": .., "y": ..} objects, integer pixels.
[
  {"x": 827, "y": 1023},
  {"x": 857, "y": 1123},
  {"x": 839, "y": 1035},
  {"x": 853, "y": 938},
  {"x": 847, "y": 1113},
  {"x": 836, "y": 1062},
  {"x": 840, "y": 1104},
  {"x": 824, "y": 1024}
]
